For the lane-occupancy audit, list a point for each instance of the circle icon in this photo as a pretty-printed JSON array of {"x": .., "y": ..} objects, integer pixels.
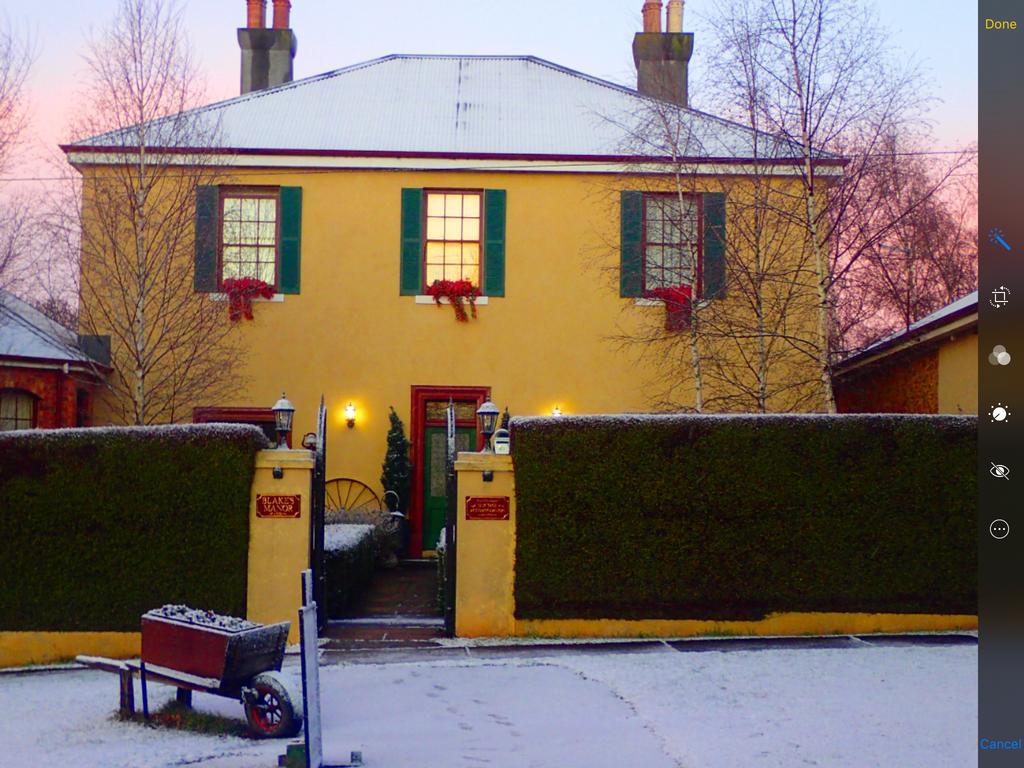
[
  {"x": 999, "y": 470},
  {"x": 999, "y": 355},
  {"x": 999, "y": 529},
  {"x": 999, "y": 412}
]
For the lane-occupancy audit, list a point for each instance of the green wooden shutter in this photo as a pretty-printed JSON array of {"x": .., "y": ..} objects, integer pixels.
[
  {"x": 207, "y": 238},
  {"x": 411, "y": 270},
  {"x": 494, "y": 242},
  {"x": 631, "y": 222},
  {"x": 291, "y": 240},
  {"x": 714, "y": 245}
]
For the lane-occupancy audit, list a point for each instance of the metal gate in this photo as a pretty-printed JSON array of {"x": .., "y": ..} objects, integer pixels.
[
  {"x": 316, "y": 518},
  {"x": 451, "y": 511}
]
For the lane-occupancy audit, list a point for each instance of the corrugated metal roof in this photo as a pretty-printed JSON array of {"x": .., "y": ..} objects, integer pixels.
[
  {"x": 500, "y": 105},
  {"x": 962, "y": 307},
  {"x": 28, "y": 333}
]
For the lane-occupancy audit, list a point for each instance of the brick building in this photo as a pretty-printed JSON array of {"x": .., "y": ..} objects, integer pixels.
[
  {"x": 932, "y": 367},
  {"x": 46, "y": 380}
]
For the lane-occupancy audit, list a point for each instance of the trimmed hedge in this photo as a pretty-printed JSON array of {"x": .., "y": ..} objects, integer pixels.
[
  {"x": 735, "y": 517},
  {"x": 349, "y": 566},
  {"x": 99, "y": 525}
]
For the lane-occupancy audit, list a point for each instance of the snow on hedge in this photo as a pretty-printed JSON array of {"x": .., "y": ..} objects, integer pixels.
[
  {"x": 625, "y": 419},
  {"x": 339, "y": 537},
  {"x": 157, "y": 432}
]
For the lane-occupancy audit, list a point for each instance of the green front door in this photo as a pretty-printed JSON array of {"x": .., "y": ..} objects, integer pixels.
[{"x": 434, "y": 479}]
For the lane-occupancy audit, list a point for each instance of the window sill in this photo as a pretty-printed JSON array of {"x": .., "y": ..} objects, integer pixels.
[
  {"x": 481, "y": 301},
  {"x": 277, "y": 298},
  {"x": 661, "y": 303}
]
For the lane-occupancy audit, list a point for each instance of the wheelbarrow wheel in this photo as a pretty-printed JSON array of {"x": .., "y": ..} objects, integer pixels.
[{"x": 270, "y": 709}]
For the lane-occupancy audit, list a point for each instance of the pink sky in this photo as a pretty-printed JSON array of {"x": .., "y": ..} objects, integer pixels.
[{"x": 593, "y": 36}]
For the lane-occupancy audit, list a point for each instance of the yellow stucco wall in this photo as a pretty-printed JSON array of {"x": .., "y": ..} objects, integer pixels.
[
  {"x": 485, "y": 586},
  {"x": 279, "y": 547},
  {"x": 958, "y": 374},
  {"x": 24, "y": 648},
  {"x": 554, "y": 339}
]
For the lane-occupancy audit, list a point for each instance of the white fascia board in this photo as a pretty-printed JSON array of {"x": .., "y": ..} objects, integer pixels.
[{"x": 377, "y": 163}]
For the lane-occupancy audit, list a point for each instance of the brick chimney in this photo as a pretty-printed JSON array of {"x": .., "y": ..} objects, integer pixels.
[
  {"x": 257, "y": 14},
  {"x": 662, "y": 58},
  {"x": 652, "y": 16},
  {"x": 268, "y": 55},
  {"x": 282, "y": 10}
]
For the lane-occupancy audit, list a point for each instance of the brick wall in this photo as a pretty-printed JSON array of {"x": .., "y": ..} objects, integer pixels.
[
  {"x": 899, "y": 384},
  {"x": 56, "y": 394}
]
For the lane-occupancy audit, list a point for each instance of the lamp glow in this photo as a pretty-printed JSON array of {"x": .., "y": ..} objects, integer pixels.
[
  {"x": 556, "y": 411},
  {"x": 350, "y": 415}
]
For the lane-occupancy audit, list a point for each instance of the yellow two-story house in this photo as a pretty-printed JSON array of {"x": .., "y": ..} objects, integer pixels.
[{"x": 352, "y": 192}]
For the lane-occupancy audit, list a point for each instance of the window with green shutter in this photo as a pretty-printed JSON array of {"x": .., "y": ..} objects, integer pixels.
[
  {"x": 248, "y": 232},
  {"x": 452, "y": 234},
  {"x": 668, "y": 240}
]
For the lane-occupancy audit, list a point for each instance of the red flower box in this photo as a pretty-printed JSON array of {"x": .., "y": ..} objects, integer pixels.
[{"x": 677, "y": 306}]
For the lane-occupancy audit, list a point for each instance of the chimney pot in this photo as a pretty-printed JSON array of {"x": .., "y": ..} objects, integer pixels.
[
  {"x": 282, "y": 13},
  {"x": 675, "y": 16},
  {"x": 257, "y": 14},
  {"x": 652, "y": 16}
]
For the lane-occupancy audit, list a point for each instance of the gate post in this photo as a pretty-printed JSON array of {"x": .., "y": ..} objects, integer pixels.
[
  {"x": 279, "y": 514},
  {"x": 485, "y": 557}
]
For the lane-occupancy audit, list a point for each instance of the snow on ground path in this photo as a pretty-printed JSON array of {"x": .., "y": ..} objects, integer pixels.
[
  {"x": 912, "y": 707},
  {"x": 456, "y": 715},
  {"x": 68, "y": 719}
]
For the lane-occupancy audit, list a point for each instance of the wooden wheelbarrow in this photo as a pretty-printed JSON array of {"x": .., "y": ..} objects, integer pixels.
[{"x": 221, "y": 655}]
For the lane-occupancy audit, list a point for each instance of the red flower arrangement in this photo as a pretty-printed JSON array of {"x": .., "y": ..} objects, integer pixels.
[
  {"x": 677, "y": 306},
  {"x": 456, "y": 291},
  {"x": 241, "y": 291}
]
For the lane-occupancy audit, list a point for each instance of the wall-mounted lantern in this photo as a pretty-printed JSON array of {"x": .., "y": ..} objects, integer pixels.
[
  {"x": 556, "y": 411},
  {"x": 284, "y": 411},
  {"x": 488, "y": 416},
  {"x": 350, "y": 415}
]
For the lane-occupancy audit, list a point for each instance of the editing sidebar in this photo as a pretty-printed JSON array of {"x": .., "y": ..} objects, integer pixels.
[{"x": 1001, "y": 383}]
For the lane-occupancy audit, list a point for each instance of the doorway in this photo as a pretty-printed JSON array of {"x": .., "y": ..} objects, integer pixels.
[{"x": 429, "y": 405}]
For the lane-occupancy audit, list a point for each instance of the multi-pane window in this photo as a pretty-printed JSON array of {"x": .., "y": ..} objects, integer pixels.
[
  {"x": 453, "y": 237},
  {"x": 249, "y": 235},
  {"x": 17, "y": 410},
  {"x": 671, "y": 242}
]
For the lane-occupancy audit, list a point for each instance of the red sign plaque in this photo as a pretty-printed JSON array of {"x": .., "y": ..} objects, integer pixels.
[
  {"x": 272, "y": 505},
  {"x": 487, "y": 507}
]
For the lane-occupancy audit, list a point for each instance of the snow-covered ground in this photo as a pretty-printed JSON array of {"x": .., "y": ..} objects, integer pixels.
[{"x": 910, "y": 707}]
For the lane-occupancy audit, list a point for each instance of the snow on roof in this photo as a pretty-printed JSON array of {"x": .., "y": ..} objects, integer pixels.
[
  {"x": 949, "y": 311},
  {"x": 451, "y": 105},
  {"x": 26, "y": 332}
]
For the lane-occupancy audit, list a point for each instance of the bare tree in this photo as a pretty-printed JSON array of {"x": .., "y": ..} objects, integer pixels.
[
  {"x": 132, "y": 217},
  {"x": 819, "y": 74},
  {"x": 929, "y": 257},
  {"x": 16, "y": 219},
  {"x": 746, "y": 341}
]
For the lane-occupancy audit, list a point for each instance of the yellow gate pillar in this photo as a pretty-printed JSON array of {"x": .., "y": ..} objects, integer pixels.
[
  {"x": 279, "y": 512},
  {"x": 485, "y": 538}
]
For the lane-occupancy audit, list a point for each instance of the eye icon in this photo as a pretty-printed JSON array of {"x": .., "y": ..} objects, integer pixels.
[{"x": 1000, "y": 470}]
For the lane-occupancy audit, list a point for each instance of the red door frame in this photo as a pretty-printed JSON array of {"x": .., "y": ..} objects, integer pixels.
[{"x": 420, "y": 396}]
